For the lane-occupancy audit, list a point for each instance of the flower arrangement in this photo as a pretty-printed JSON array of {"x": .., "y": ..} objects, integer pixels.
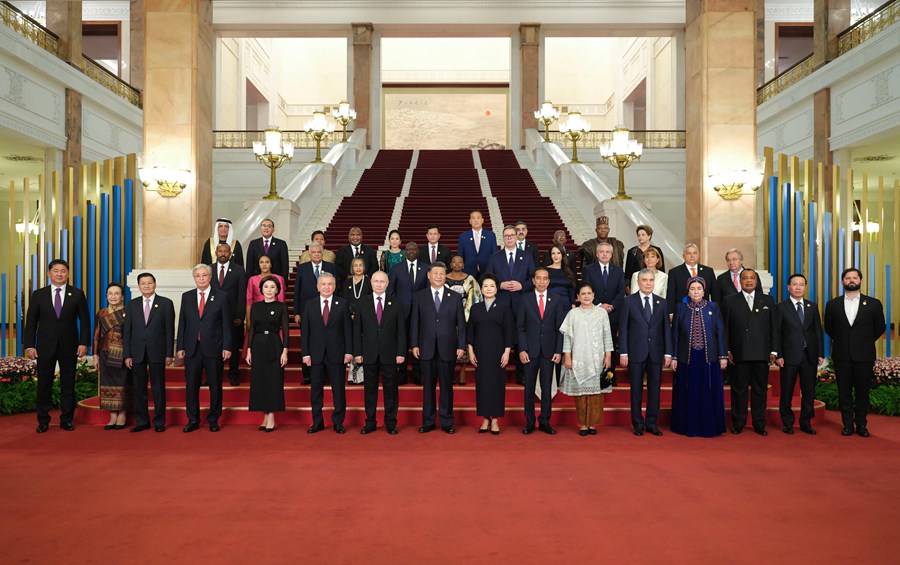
[
  {"x": 17, "y": 369},
  {"x": 887, "y": 372},
  {"x": 826, "y": 371},
  {"x": 18, "y": 384},
  {"x": 884, "y": 396}
]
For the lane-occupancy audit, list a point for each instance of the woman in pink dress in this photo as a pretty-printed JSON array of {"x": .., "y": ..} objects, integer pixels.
[{"x": 253, "y": 292}]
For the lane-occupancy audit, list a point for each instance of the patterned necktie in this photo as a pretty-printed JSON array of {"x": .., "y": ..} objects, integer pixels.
[
  {"x": 325, "y": 312},
  {"x": 356, "y": 251},
  {"x": 266, "y": 246},
  {"x": 221, "y": 275},
  {"x": 437, "y": 300},
  {"x": 433, "y": 253},
  {"x": 512, "y": 264},
  {"x": 379, "y": 310},
  {"x": 541, "y": 305},
  {"x": 146, "y": 310},
  {"x": 647, "y": 311},
  {"x": 57, "y": 303},
  {"x": 800, "y": 313}
]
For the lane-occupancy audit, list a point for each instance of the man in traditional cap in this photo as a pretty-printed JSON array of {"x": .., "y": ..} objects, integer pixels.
[
  {"x": 588, "y": 249},
  {"x": 223, "y": 232}
]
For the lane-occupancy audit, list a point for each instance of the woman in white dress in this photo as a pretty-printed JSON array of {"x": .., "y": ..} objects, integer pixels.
[
  {"x": 660, "y": 278},
  {"x": 587, "y": 352}
]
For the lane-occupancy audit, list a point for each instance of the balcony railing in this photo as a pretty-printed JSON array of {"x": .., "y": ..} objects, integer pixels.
[
  {"x": 868, "y": 27},
  {"x": 779, "y": 84},
  {"x": 99, "y": 74},
  {"x": 659, "y": 139},
  {"x": 243, "y": 139}
]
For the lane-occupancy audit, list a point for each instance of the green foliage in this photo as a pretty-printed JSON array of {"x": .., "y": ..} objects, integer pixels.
[
  {"x": 18, "y": 386},
  {"x": 882, "y": 400}
]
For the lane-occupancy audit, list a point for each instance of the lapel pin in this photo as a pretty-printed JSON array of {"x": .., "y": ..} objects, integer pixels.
[
  {"x": 211, "y": 298},
  {"x": 123, "y": 315},
  {"x": 272, "y": 312},
  {"x": 757, "y": 309},
  {"x": 710, "y": 312},
  {"x": 864, "y": 302},
  {"x": 156, "y": 305},
  {"x": 70, "y": 294},
  {"x": 389, "y": 303}
]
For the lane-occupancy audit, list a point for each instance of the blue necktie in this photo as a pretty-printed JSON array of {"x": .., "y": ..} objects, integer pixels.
[
  {"x": 800, "y": 312},
  {"x": 512, "y": 264},
  {"x": 317, "y": 271},
  {"x": 647, "y": 311}
]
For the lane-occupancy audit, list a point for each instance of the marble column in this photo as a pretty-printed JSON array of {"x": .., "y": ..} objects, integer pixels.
[
  {"x": 178, "y": 107},
  {"x": 529, "y": 49},
  {"x": 64, "y": 19},
  {"x": 760, "y": 42},
  {"x": 136, "y": 52},
  {"x": 830, "y": 17},
  {"x": 720, "y": 119},
  {"x": 362, "y": 78},
  {"x": 72, "y": 153}
]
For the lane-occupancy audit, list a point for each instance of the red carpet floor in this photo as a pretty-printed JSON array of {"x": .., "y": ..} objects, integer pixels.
[{"x": 241, "y": 496}]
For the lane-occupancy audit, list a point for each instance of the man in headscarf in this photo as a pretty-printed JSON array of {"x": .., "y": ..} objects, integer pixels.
[
  {"x": 588, "y": 249},
  {"x": 223, "y": 232}
]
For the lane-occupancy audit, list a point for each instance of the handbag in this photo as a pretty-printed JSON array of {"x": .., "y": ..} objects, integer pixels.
[{"x": 607, "y": 378}]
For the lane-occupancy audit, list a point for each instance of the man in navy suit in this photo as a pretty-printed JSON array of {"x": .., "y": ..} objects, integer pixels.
[
  {"x": 645, "y": 346},
  {"x": 800, "y": 351},
  {"x": 405, "y": 280},
  {"x": 514, "y": 269},
  {"x": 854, "y": 322},
  {"x": 204, "y": 343},
  {"x": 476, "y": 246},
  {"x": 305, "y": 287},
  {"x": 326, "y": 345},
  {"x": 355, "y": 248},
  {"x": 231, "y": 278},
  {"x": 276, "y": 249},
  {"x": 57, "y": 330},
  {"x": 438, "y": 339},
  {"x": 608, "y": 282},
  {"x": 149, "y": 337},
  {"x": 539, "y": 316}
]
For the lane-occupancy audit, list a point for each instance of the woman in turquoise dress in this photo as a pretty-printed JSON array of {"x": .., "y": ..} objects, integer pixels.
[{"x": 394, "y": 254}]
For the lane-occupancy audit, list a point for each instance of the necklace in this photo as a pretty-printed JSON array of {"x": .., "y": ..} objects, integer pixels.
[{"x": 356, "y": 294}]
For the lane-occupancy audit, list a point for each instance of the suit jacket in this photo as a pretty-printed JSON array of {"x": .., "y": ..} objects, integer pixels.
[
  {"x": 53, "y": 336},
  {"x": 642, "y": 339},
  {"x": 540, "y": 337},
  {"x": 278, "y": 253},
  {"x": 344, "y": 257},
  {"x": 532, "y": 248},
  {"x": 213, "y": 328},
  {"x": 856, "y": 342},
  {"x": 305, "y": 285},
  {"x": 714, "y": 333},
  {"x": 613, "y": 292},
  {"x": 725, "y": 286},
  {"x": 400, "y": 287},
  {"x": 235, "y": 286},
  {"x": 523, "y": 272},
  {"x": 678, "y": 278},
  {"x": 209, "y": 257},
  {"x": 379, "y": 342},
  {"x": 437, "y": 333},
  {"x": 443, "y": 254},
  {"x": 751, "y": 335},
  {"x": 326, "y": 343},
  {"x": 799, "y": 339},
  {"x": 474, "y": 263},
  {"x": 153, "y": 341}
]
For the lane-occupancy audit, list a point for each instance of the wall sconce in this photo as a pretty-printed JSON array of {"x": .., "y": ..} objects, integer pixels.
[
  {"x": 319, "y": 129},
  {"x": 167, "y": 182},
  {"x": 546, "y": 115},
  {"x": 273, "y": 152},
  {"x": 343, "y": 115},
  {"x": 730, "y": 186},
  {"x": 574, "y": 130}
]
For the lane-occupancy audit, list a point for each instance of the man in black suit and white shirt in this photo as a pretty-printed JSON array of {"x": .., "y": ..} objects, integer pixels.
[
  {"x": 276, "y": 249},
  {"x": 204, "y": 342},
  {"x": 306, "y": 287},
  {"x": 678, "y": 278},
  {"x": 326, "y": 345},
  {"x": 231, "y": 278},
  {"x": 800, "y": 352},
  {"x": 434, "y": 251},
  {"x": 406, "y": 279},
  {"x": 355, "y": 248},
  {"x": 729, "y": 282},
  {"x": 749, "y": 319},
  {"x": 379, "y": 345},
  {"x": 854, "y": 322},
  {"x": 57, "y": 330},
  {"x": 525, "y": 245},
  {"x": 149, "y": 338}
]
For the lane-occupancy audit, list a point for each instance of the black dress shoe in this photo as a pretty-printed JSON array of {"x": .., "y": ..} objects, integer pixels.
[
  {"x": 140, "y": 428},
  {"x": 547, "y": 429},
  {"x": 736, "y": 430},
  {"x": 119, "y": 427},
  {"x": 592, "y": 431},
  {"x": 654, "y": 431},
  {"x": 68, "y": 426},
  {"x": 449, "y": 429},
  {"x": 214, "y": 427},
  {"x": 42, "y": 428},
  {"x": 367, "y": 430},
  {"x": 234, "y": 381},
  {"x": 339, "y": 429},
  {"x": 862, "y": 432},
  {"x": 190, "y": 427},
  {"x": 638, "y": 432},
  {"x": 270, "y": 430},
  {"x": 159, "y": 429},
  {"x": 108, "y": 427},
  {"x": 392, "y": 431},
  {"x": 789, "y": 430},
  {"x": 315, "y": 428},
  {"x": 808, "y": 430},
  {"x": 847, "y": 431},
  {"x": 582, "y": 433},
  {"x": 761, "y": 431},
  {"x": 527, "y": 430},
  {"x": 426, "y": 429},
  {"x": 305, "y": 381},
  {"x": 261, "y": 428}
]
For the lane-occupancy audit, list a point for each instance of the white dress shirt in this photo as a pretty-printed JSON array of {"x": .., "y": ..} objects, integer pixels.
[
  {"x": 62, "y": 294},
  {"x": 851, "y": 308}
]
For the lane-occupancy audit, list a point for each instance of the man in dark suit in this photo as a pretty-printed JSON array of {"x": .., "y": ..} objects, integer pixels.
[
  {"x": 538, "y": 318},
  {"x": 379, "y": 345},
  {"x": 525, "y": 245},
  {"x": 729, "y": 282},
  {"x": 355, "y": 248},
  {"x": 438, "y": 338},
  {"x": 57, "y": 330},
  {"x": 854, "y": 322},
  {"x": 608, "y": 282},
  {"x": 149, "y": 339},
  {"x": 645, "y": 342},
  {"x": 678, "y": 278},
  {"x": 306, "y": 287},
  {"x": 276, "y": 249},
  {"x": 204, "y": 343},
  {"x": 514, "y": 269},
  {"x": 749, "y": 319},
  {"x": 406, "y": 279},
  {"x": 434, "y": 251},
  {"x": 799, "y": 352},
  {"x": 326, "y": 344},
  {"x": 231, "y": 278},
  {"x": 476, "y": 246}
]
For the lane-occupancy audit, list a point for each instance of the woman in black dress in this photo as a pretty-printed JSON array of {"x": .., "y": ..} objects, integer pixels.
[
  {"x": 356, "y": 287},
  {"x": 490, "y": 336},
  {"x": 634, "y": 259},
  {"x": 268, "y": 352}
]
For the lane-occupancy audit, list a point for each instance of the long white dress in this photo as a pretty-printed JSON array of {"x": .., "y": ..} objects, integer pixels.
[{"x": 587, "y": 336}]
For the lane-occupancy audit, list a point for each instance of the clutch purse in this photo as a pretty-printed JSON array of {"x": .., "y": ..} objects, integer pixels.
[{"x": 607, "y": 378}]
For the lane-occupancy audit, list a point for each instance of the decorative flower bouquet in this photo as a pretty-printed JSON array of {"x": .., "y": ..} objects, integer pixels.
[
  {"x": 887, "y": 372},
  {"x": 18, "y": 384},
  {"x": 13, "y": 369}
]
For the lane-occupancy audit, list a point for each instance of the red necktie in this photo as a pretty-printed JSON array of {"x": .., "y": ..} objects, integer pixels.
[
  {"x": 221, "y": 275},
  {"x": 541, "y": 305},
  {"x": 202, "y": 304},
  {"x": 325, "y": 312},
  {"x": 737, "y": 285}
]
